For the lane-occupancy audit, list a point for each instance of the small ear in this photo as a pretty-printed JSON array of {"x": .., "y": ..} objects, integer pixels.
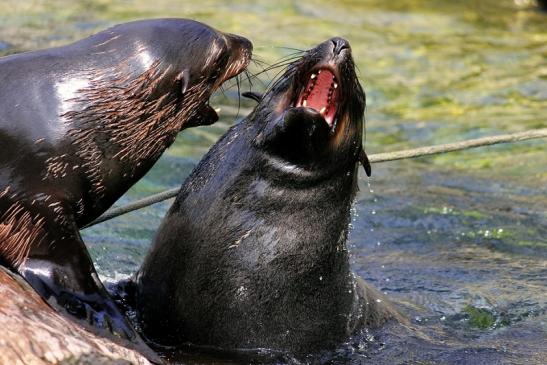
[
  {"x": 182, "y": 80},
  {"x": 363, "y": 158},
  {"x": 253, "y": 95}
]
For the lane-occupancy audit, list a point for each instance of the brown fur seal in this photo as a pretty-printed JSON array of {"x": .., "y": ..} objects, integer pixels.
[
  {"x": 82, "y": 123},
  {"x": 253, "y": 253}
]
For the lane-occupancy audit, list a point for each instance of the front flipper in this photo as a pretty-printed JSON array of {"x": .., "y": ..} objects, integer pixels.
[
  {"x": 59, "y": 268},
  {"x": 67, "y": 289}
]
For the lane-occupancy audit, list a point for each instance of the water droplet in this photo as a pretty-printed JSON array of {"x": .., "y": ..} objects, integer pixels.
[
  {"x": 387, "y": 279},
  {"x": 378, "y": 300},
  {"x": 373, "y": 212},
  {"x": 320, "y": 278},
  {"x": 378, "y": 243},
  {"x": 372, "y": 229},
  {"x": 443, "y": 318},
  {"x": 369, "y": 185}
]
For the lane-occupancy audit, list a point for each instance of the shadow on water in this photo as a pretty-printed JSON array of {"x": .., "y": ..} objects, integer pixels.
[{"x": 459, "y": 241}]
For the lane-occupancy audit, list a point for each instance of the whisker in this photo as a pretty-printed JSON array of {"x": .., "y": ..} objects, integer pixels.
[
  {"x": 255, "y": 75},
  {"x": 238, "y": 96},
  {"x": 221, "y": 88},
  {"x": 258, "y": 61},
  {"x": 250, "y": 80},
  {"x": 277, "y": 79},
  {"x": 292, "y": 49},
  {"x": 275, "y": 66},
  {"x": 279, "y": 66}
]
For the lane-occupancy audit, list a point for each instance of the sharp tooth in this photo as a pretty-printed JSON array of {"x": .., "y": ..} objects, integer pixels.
[
  {"x": 313, "y": 76},
  {"x": 305, "y": 103},
  {"x": 323, "y": 110},
  {"x": 319, "y": 71},
  {"x": 217, "y": 110},
  {"x": 335, "y": 85}
]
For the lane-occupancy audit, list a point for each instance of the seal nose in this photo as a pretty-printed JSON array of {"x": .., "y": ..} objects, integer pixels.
[{"x": 339, "y": 44}]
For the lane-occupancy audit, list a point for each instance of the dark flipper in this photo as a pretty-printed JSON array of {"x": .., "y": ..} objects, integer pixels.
[{"x": 60, "y": 269}]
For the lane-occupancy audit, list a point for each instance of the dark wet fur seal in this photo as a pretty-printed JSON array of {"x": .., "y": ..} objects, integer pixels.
[
  {"x": 79, "y": 125},
  {"x": 253, "y": 254}
]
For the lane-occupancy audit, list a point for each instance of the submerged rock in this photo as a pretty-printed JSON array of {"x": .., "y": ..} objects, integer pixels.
[{"x": 34, "y": 334}]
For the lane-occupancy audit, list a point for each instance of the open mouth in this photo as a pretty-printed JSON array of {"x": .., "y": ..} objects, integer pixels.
[
  {"x": 209, "y": 113},
  {"x": 321, "y": 94}
]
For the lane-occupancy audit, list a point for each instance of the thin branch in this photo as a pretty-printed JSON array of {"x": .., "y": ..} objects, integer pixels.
[{"x": 458, "y": 146}]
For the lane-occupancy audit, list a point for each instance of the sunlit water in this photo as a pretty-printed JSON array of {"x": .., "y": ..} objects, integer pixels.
[{"x": 458, "y": 242}]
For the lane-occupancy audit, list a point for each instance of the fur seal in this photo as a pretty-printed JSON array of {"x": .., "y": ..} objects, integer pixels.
[
  {"x": 79, "y": 125},
  {"x": 252, "y": 254}
]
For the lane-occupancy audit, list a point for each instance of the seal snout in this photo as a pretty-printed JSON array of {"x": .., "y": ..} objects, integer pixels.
[
  {"x": 340, "y": 46},
  {"x": 241, "y": 50},
  {"x": 235, "y": 59},
  {"x": 321, "y": 84},
  {"x": 242, "y": 46}
]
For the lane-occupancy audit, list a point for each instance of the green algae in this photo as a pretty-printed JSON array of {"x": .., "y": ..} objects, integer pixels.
[{"x": 479, "y": 317}]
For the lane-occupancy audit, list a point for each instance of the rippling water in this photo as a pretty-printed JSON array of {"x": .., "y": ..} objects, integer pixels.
[{"x": 459, "y": 241}]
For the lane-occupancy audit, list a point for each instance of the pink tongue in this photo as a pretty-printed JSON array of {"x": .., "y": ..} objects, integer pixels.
[
  {"x": 318, "y": 98},
  {"x": 316, "y": 95}
]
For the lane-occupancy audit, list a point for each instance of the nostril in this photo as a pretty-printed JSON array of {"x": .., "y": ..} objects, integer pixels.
[{"x": 339, "y": 44}]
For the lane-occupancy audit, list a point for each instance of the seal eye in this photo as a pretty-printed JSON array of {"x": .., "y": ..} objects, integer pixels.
[{"x": 321, "y": 93}]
